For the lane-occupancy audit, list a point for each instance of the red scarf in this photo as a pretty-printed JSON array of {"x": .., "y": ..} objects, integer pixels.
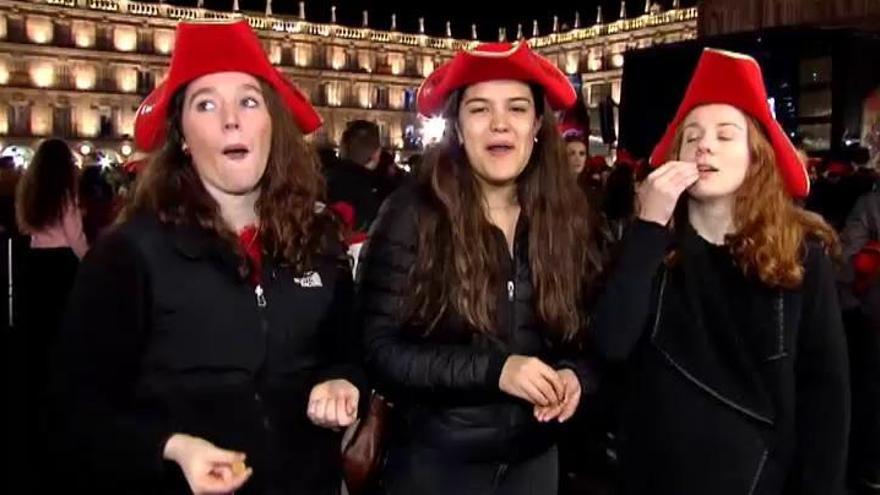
[{"x": 249, "y": 240}]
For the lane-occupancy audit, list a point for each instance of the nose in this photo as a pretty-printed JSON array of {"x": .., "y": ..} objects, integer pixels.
[
  {"x": 230, "y": 118},
  {"x": 706, "y": 144},
  {"x": 499, "y": 121}
]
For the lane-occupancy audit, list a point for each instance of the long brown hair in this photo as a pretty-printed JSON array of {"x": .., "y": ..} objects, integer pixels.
[
  {"x": 457, "y": 265},
  {"x": 289, "y": 189},
  {"x": 47, "y": 187},
  {"x": 771, "y": 230}
]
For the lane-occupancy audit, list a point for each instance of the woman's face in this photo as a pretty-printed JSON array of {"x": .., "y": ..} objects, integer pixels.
[
  {"x": 716, "y": 138},
  {"x": 228, "y": 131},
  {"x": 498, "y": 125},
  {"x": 577, "y": 155}
]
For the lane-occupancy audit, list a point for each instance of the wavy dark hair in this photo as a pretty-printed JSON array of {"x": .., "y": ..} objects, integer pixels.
[
  {"x": 457, "y": 265},
  {"x": 292, "y": 230},
  {"x": 48, "y": 186}
]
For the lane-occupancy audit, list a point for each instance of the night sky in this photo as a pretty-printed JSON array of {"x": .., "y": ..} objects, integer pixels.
[{"x": 488, "y": 15}]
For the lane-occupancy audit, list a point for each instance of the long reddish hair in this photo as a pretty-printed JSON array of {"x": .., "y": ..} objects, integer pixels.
[{"x": 771, "y": 230}]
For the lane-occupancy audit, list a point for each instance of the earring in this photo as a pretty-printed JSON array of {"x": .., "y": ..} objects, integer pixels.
[
  {"x": 185, "y": 148},
  {"x": 536, "y": 139}
]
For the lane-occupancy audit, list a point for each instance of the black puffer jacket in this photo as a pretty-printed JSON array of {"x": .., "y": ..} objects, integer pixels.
[{"x": 445, "y": 385}]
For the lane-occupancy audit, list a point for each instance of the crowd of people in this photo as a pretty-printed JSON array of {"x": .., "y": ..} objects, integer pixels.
[{"x": 534, "y": 321}]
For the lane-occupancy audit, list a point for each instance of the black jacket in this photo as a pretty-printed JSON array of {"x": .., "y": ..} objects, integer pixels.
[
  {"x": 363, "y": 189},
  {"x": 445, "y": 385},
  {"x": 715, "y": 406},
  {"x": 164, "y": 335}
]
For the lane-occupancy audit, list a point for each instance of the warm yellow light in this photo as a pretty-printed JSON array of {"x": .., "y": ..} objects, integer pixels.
[
  {"x": 39, "y": 29},
  {"x": 126, "y": 79},
  {"x": 83, "y": 34},
  {"x": 163, "y": 41},
  {"x": 41, "y": 120},
  {"x": 84, "y": 77},
  {"x": 43, "y": 74},
  {"x": 125, "y": 38},
  {"x": 88, "y": 123},
  {"x": 427, "y": 66},
  {"x": 571, "y": 63}
]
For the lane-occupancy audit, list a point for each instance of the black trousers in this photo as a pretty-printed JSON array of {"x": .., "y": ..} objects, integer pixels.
[{"x": 414, "y": 471}]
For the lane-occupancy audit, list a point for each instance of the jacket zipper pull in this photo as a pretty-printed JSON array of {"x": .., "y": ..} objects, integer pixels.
[
  {"x": 261, "y": 298},
  {"x": 510, "y": 290}
]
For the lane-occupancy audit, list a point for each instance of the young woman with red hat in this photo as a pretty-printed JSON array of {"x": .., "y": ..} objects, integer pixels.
[
  {"x": 207, "y": 344},
  {"x": 722, "y": 303},
  {"x": 473, "y": 284}
]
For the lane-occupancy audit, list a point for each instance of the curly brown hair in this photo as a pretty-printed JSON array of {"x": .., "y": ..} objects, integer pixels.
[
  {"x": 457, "y": 264},
  {"x": 771, "y": 230},
  {"x": 292, "y": 230}
]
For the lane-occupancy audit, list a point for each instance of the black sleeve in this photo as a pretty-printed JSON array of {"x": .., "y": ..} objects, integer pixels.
[
  {"x": 396, "y": 361},
  {"x": 821, "y": 385},
  {"x": 342, "y": 344},
  {"x": 97, "y": 366},
  {"x": 624, "y": 302}
]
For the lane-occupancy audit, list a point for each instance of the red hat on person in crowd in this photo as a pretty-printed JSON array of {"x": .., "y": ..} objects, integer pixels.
[
  {"x": 866, "y": 265},
  {"x": 838, "y": 169},
  {"x": 489, "y": 62},
  {"x": 736, "y": 79},
  {"x": 207, "y": 47}
]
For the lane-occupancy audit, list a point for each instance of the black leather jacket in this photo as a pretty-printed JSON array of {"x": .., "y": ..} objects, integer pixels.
[{"x": 444, "y": 384}]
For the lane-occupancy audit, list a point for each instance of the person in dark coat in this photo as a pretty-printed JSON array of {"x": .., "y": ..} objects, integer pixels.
[
  {"x": 208, "y": 347},
  {"x": 727, "y": 317},
  {"x": 47, "y": 210},
  {"x": 354, "y": 178},
  {"x": 473, "y": 286},
  {"x": 859, "y": 289}
]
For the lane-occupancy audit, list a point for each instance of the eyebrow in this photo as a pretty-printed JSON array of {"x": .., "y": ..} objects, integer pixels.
[
  {"x": 209, "y": 89},
  {"x": 722, "y": 124},
  {"x": 517, "y": 99}
]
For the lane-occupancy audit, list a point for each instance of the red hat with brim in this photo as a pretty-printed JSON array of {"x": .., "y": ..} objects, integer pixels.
[
  {"x": 490, "y": 62},
  {"x": 735, "y": 79},
  {"x": 208, "y": 47}
]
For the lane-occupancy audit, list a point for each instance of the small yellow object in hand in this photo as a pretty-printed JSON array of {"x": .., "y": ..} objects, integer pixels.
[{"x": 238, "y": 468}]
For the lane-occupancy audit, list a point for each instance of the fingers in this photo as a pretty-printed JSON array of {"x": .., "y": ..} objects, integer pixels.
[
  {"x": 316, "y": 408},
  {"x": 536, "y": 395},
  {"x": 329, "y": 417},
  {"x": 351, "y": 406},
  {"x": 220, "y": 456},
  {"x": 572, "y": 395},
  {"x": 552, "y": 377},
  {"x": 343, "y": 418},
  {"x": 545, "y": 414},
  {"x": 214, "y": 483},
  {"x": 569, "y": 407}
]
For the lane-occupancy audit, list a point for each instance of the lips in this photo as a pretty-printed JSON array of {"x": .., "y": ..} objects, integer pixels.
[
  {"x": 236, "y": 151},
  {"x": 704, "y": 167},
  {"x": 499, "y": 149}
]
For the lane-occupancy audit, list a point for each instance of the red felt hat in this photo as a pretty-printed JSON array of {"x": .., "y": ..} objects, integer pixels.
[
  {"x": 492, "y": 61},
  {"x": 838, "y": 169},
  {"x": 735, "y": 79},
  {"x": 866, "y": 264},
  {"x": 207, "y": 47}
]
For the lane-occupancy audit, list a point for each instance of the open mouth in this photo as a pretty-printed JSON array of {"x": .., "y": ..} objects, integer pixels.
[
  {"x": 236, "y": 152},
  {"x": 499, "y": 149}
]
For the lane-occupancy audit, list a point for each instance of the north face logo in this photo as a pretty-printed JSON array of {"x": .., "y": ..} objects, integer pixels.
[{"x": 310, "y": 279}]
